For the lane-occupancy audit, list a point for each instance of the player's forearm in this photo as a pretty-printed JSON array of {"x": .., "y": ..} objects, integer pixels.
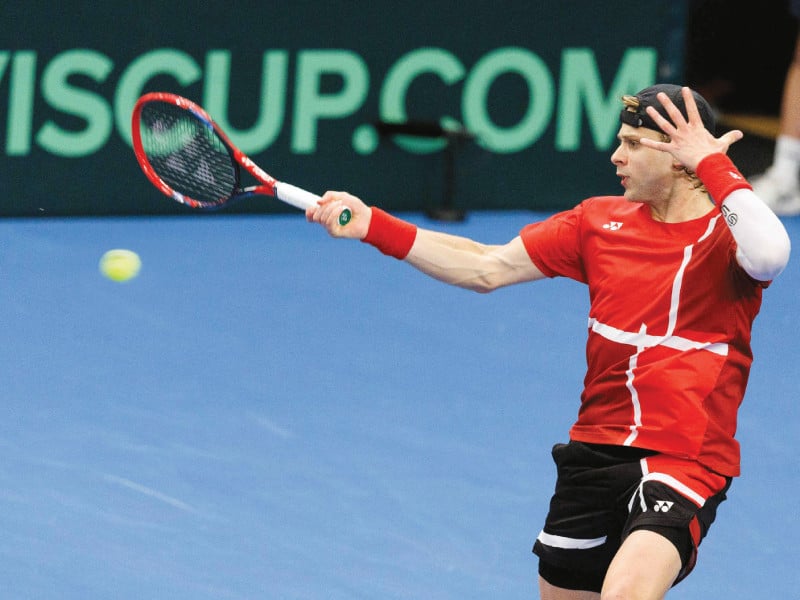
[
  {"x": 455, "y": 260},
  {"x": 451, "y": 259},
  {"x": 763, "y": 245}
]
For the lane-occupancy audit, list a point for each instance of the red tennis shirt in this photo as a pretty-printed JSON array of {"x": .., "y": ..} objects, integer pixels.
[{"x": 668, "y": 350}]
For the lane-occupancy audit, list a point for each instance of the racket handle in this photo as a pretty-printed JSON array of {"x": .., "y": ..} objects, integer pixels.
[
  {"x": 300, "y": 198},
  {"x": 297, "y": 197}
]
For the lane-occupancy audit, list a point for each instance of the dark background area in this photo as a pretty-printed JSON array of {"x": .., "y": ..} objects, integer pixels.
[
  {"x": 736, "y": 55},
  {"x": 737, "y": 52},
  {"x": 734, "y": 52}
]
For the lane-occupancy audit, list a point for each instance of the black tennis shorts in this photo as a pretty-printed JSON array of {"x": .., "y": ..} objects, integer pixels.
[{"x": 601, "y": 496}]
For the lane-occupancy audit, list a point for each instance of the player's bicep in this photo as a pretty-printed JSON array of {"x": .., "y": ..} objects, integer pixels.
[{"x": 514, "y": 265}]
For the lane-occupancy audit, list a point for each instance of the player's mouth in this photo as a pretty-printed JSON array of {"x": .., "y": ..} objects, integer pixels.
[{"x": 623, "y": 179}]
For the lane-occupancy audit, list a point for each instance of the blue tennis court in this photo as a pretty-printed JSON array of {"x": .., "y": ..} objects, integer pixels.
[{"x": 269, "y": 413}]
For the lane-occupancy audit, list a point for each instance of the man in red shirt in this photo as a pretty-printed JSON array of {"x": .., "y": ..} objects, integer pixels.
[{"x": 675, "y": 269}]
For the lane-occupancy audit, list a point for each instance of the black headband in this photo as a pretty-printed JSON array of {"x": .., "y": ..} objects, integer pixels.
[{"x": 638, "y": 117}]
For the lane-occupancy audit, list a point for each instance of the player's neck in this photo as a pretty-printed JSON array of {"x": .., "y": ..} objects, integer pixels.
[{"x": 685, "y": 206}]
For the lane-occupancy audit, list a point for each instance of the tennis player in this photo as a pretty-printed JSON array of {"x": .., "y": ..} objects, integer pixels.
[{"x": 675, "y": 268}]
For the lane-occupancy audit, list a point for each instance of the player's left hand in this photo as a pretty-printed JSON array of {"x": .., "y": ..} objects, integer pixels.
[{"x": 690, "y": 142}]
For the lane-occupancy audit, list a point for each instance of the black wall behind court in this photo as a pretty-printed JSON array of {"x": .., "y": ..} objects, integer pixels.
[{"x": 300, "y": 86}]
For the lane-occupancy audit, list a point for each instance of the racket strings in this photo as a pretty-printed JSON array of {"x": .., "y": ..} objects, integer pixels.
[{"x": 187, "y": 155}]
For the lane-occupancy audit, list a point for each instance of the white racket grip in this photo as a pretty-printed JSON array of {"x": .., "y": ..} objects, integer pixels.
[{"x": 295, "y": 196}]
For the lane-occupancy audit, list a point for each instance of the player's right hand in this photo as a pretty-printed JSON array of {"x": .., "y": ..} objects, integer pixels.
[{"x": 331, "y": 205}]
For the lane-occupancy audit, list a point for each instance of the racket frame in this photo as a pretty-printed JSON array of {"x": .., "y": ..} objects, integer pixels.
[{"x": 290, "y": 194}]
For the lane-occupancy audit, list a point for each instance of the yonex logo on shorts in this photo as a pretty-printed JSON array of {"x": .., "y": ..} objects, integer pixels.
[{"x": 663, "y": 505}]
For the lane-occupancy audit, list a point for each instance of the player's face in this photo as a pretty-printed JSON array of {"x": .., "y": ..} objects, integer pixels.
[{"x": 646, "y": 174}]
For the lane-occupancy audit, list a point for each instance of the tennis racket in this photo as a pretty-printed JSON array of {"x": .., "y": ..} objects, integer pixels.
[{"x": 186, "y": 155}]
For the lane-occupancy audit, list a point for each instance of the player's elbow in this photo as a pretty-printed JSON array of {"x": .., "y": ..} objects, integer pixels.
[
  {"x": 482, "y": 289},
  {"x": 769, "y": 261},
  {"x": 475, "y": 285},
  {"x": 485, "y": 283}
]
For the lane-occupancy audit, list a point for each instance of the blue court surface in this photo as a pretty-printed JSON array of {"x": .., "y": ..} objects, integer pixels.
[{"x": 267, "y": 413}]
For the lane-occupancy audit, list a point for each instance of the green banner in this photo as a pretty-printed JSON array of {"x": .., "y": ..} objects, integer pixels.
[{"x": 303, "y": 87}]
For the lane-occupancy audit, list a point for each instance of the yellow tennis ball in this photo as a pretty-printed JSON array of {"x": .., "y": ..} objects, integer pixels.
[{"x": 120, "y": 265}]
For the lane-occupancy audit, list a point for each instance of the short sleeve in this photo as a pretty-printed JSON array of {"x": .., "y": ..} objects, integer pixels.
[{"x": 554, "y": 244}]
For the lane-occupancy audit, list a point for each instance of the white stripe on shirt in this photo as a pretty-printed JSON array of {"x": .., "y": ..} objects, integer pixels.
[{"x": 643, "y": 340}]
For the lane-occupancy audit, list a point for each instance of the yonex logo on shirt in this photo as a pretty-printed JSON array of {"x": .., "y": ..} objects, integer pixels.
[
  {"x": 612, "y": 225},
  {"x": 663, "y": 505}
]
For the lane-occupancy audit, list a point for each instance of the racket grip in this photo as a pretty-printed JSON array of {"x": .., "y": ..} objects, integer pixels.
[
  {"x": 297, "y": 197},
  {"x": 300, "y": 198}
]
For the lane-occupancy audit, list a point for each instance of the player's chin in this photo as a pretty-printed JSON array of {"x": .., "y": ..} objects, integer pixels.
[{"x": 630, "y": 196}]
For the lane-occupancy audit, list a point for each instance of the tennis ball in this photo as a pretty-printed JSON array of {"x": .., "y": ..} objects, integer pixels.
[{"x": 120, "y": 265}]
